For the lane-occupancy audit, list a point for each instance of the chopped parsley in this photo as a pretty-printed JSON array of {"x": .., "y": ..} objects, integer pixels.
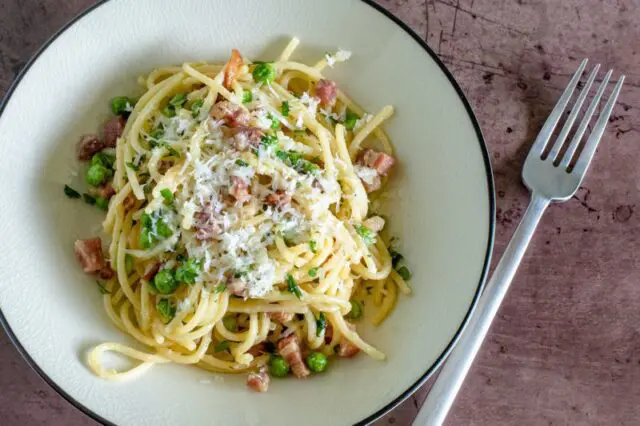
[
  {"x": 102, "y": 289},
  {"x": 247, "y": 97},
  {"x": 195, "y": 107},
  {"x": 132, "y": 166},
  {"x": 321, "y": 324},
  {"x": 292, "y": 286},
  {"x": 275, "y": 122},
  {"x": 167, "y": 195},
  {"x": 294, "y": 159},
  {"x": 188, "y": 272},
  {"x": 150, "y": 234},
  {"x": 269, "y": 140},
  {"x": 220, "y": 288},
  {"x": 222, "y": 346},
  {"x": 368, "y": 236},
  {"x": 313, "y": 272},
  {"x": 351, "y": 120},
  {"x": 284, "y": 108},
  {"x": 312, "y": 246},
  {"x": 88, "y": 199},
  {"x": 165, "y": 310},
  {"x": 178, "y": 100},
  {"x": 242, "y": 163},
  {"x": 70, "y": 192},
  {"x": 356, "y": 310},
  {"x": 121, "y": 105}
]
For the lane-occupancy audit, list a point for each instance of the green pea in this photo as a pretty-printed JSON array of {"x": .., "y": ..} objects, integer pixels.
[
  {"x": 222, "y": 346},
  {"x": 356, "y": 310},
  {"x": 278, "y": 367},
  {"x": 121, "y": 105},
  {"x": 102, "y": 203},
  {"x": 230, "y": 323},
  {"x": 317, "y": 362},
  {"x": 97, "y": 174},
  {"x": 106, "y": 160},
  {"x": 165, "y": 282},
  {"x": 264, "y": 73}
]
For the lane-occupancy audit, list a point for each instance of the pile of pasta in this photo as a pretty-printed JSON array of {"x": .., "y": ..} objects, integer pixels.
[{"x": 241, "y": 239}]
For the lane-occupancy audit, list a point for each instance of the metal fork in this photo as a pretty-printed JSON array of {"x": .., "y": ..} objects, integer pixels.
[{"x": 550, "y": 178}]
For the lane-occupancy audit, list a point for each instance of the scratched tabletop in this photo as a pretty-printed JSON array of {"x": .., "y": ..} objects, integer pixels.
[{"x": 565, "y": 347}]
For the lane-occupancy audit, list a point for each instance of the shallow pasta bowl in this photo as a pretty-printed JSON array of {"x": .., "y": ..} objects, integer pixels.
[{"x": 440, "y": 203}]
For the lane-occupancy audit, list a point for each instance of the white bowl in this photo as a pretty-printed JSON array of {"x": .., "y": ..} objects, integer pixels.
[{"x": 442, "y": 210}]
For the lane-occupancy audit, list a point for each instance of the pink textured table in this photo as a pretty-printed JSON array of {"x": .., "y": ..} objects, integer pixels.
[{"x": 565, "y": 348}]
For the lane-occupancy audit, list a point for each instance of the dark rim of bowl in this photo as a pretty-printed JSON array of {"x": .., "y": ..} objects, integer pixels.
[{"x": 490, "y": 189}]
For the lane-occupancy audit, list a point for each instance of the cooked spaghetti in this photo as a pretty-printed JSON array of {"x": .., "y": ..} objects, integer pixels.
[{"x": 237, "y": 200}]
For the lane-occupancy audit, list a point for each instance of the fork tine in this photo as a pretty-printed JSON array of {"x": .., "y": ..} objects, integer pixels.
[
  {"x": 551, "y": 123},
  {"x": 575, "y": 110},
  {"x": 585, "y": 122},
  {"x": 596, "y": 135}
]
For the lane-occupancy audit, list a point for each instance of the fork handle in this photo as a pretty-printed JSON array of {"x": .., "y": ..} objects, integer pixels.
[{"x": 453, "y": 373}]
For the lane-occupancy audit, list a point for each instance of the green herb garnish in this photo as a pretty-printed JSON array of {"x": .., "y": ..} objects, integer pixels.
[
  {"x": 188, "y": 272},
  {"x": 195, "y": 107},
  {"x": 247, "y": 97},
  {"x": 321, "y": 324},
  {"x": 284, "y": 108},
  {"x": 165, "y": 310},
  {"x": 70, "y": 192},
  {"x": 312, "y": 246},
  {"x": 178, "y": 100},
  {"x": 367, "y": 235},
  {"x": 121, "y": 105},
  {"x": 167, "y": 195},
  {"x": 102, "y": 289},
  {"x": 222, "y": 346},
  {"x": 351, "y": 120},
  {"x": 313, "y": 272},
  {"x": 88, "y": 199},
  {"x": 242, "y": 163},
  {"x": 356, "y": 310},
  {"x": 292, "y": 286}
]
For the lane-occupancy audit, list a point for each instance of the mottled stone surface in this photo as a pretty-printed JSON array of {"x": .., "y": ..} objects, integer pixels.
[{"x": 565, "y": 348}]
